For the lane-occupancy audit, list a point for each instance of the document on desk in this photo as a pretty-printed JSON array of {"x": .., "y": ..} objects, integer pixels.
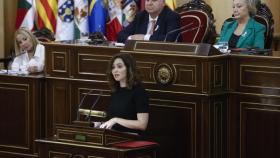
[{"x": 13, "y": 72}]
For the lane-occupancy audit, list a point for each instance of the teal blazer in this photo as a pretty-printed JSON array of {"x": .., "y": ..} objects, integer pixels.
[{"x": 252, "y": 36}]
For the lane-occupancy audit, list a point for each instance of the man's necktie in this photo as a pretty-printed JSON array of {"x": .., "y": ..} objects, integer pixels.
[{"x": 153, "y": 25}]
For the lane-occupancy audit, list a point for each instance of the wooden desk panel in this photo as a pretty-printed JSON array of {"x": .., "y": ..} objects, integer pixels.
[
  {"x": 20, "y": 115},
  {"x": 254, "y": 106},
  {"x": 55, "y": 149}
]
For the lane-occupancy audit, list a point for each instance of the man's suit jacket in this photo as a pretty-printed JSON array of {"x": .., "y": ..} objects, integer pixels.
[
  {"x": 167, "y": 21},
  {"x": 252, "y": 36}
]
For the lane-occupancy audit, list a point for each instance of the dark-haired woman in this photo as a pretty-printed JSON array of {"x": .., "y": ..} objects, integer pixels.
[{"x": 128, "y": 111}]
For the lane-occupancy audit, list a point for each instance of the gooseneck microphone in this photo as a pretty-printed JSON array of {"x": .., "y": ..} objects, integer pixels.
[
  {"x": 175, "y": 30},
  {"x": 81, "y": 102},
  {"x": 93, "y": 105},
  {"x": 187, "y": 30}
]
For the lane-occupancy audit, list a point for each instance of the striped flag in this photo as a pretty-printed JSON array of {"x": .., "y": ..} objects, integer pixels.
[
  {"x": 171, "y": 4},
  {"x": 26, "y": 11},
  {"x": 97, "y": 16},
  {"x": 47, "y": 13},
  {"x": 65, "y": 20},
  {"x": 81, "y": 18}
]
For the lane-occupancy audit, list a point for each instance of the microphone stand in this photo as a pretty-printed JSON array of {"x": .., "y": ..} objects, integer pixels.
[
  {"x": 93, "y": 105},
  {"x": 175, "y": 30},
  {"x": 81, "y": 102},
  {"x": 188, "y": 30}
]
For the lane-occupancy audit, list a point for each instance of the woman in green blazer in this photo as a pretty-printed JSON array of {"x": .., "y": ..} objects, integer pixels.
[{"x": 243, "y": 31}]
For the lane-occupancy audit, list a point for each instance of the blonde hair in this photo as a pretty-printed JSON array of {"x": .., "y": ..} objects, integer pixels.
[
  {"x": 252, "y": 6},
  {"x": 24, "y": 31}
]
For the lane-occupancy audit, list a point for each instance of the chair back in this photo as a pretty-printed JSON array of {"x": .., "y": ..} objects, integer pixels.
[
  {"x": 264, "y": 16},
  {"x": 198, "y": 17},
  {"x": 44, "y": 35}
]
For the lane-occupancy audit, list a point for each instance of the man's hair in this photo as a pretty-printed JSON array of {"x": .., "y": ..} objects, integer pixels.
[
  {"x": 132, "y": 74},
  {"x": 27, "y": 33}
]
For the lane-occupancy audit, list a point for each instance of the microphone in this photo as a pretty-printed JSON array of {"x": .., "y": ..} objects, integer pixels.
[
  {"x": 81, "y": 102},
  {"x": 175, "y": 30},
  {"x": 93, "y": 105},
  {"x": 187, "y": 30}
]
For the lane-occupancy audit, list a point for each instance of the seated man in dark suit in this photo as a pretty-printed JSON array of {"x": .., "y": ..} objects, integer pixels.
[{"x": 152, "y": 24}]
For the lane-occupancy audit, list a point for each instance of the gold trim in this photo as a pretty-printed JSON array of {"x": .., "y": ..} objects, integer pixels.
[
  {"x": 25, "y": 88},
  {"x": 216, "y": 76},
  {"x": 242, "y": 69},
  {"x": 164, "y": 74},
  {"x": 242, "y": 106},
  {"x": 95, "y": 157},
  {"x": 65, "y": 131},
  {"x": 94, "y": 113},
  {"x": 101, "y": 60},
  {"x": 216, "y": 107},
  {"x": 65, "y": 61},
  {"x": 184, "y": 54},
  {"x": 61, "y": 153},
  {"x": 151, "y": 68},
  {"x": 194, "y": 75},
  {"x": 164, "y": 43}
]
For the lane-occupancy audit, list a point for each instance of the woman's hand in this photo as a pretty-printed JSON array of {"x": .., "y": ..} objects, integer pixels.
[
  {"x": 109, "y": 124},
  {"x": 32, "y": 69}
]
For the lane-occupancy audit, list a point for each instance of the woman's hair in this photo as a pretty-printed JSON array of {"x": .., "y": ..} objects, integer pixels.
[
  {"x": 133, "y": 77},
  {"x": 24, "y": 31},
  {"x": 252, "y": 6}
]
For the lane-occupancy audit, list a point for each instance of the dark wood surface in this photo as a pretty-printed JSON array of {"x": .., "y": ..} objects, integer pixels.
[
  {"x": 20, "y": 115},
  {"x": 56, "y": 149}
]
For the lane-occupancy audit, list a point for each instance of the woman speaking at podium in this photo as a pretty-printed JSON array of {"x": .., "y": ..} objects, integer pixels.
[
  {"x": 128, "y": 110},
  {"x": 29, "y": 53}
]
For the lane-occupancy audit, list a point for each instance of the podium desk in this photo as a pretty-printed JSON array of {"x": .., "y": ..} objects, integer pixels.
[
  {"x": 56, "y": 149},
  {"x": 75, "y": 141},
  {"x": 20, "y": 114}
]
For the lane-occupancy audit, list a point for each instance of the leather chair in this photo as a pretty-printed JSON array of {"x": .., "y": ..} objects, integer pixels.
[
  {"x": 264, "y": 16},
  {"x": 197, "y": 16},
  {"x": 44, "y": 35}
]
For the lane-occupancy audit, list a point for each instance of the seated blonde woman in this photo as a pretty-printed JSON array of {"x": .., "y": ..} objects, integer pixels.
[
  {"x": 30, "y": 54},
  {"x": 243, "y": 31}
]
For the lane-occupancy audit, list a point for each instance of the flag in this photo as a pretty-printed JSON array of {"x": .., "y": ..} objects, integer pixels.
[
  {"x": 26, "y": 12},
  {"x": 65, "y": 20},
  {"x": 97, "y": 16},
  {"x": 171, "y": 4},
  {"x": 47, "y": 13},
  {"x": 129, "y": 11},
  {"x": 81, "y": 18},
  {"x": 114, "y": 25}
]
